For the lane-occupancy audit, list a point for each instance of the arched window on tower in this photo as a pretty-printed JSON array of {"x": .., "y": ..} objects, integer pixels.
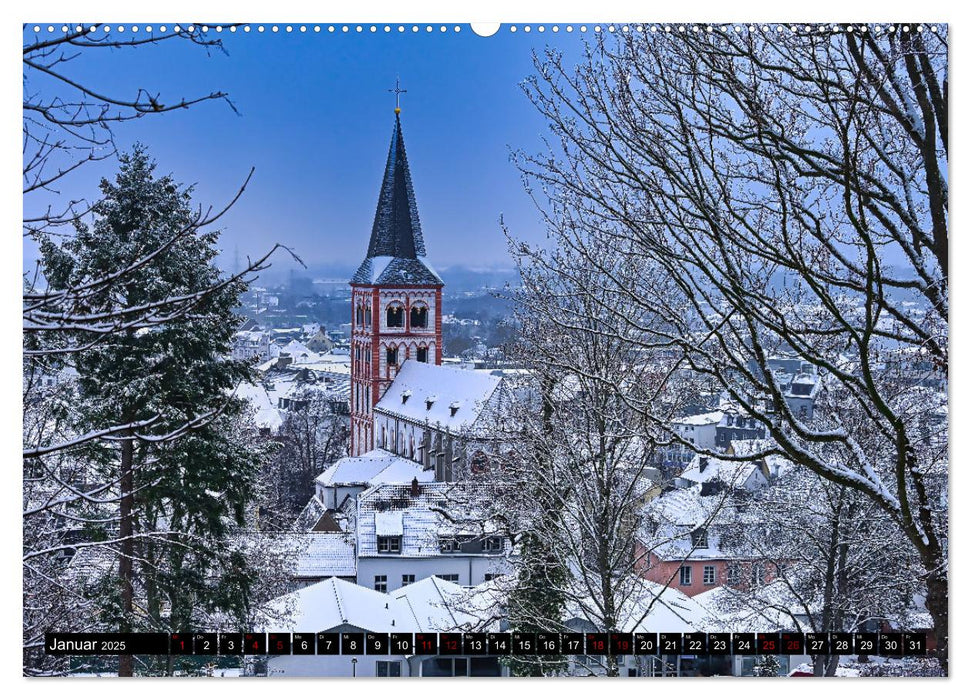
[
  {"x": 422, "y": 354},
  {"x": 392, "y": 356},
  {"x": 395, "y": 316},
  {"x": 360, "y": 315},
  {"x": 419, "y": 316},
  {"x": 367, "y": 316}
]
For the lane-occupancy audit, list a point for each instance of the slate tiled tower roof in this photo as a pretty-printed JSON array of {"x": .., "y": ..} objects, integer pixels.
[
  {"x": 396, "y": 253},
  {"x": 396, "y": 299}
]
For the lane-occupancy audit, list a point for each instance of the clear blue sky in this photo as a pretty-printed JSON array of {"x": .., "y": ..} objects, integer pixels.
[{"x": 315, "y": 121}]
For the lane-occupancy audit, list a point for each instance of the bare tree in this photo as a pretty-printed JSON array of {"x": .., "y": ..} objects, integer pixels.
[
  {"x": 581, "y": 461},
  {"x": 784, "y": 190}
]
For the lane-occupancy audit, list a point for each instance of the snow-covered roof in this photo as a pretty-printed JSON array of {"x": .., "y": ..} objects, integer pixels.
[
  {"x": 439, "y": 510},
  {"x": 375, "y": 467},
  {"x": 334, "y": 602},
  {"x": 255, "y": 394},
  {"x": 326, "y": 554},
  {"x": 648, "y": 607},
  {"x": 704, "y": 469},
  {"x": 310, "y": 515},
  {"x": 436, "y": 604},
  {"x": 764, "y": 611},
  {"x": 266, "y": 414},
  {"x": 444, "y": 397},
  {"x": 710, "y": 418},
  {"x": 388, "y": 524},
  {"x": 428, "y": 605},
  {"x": 299, "y": 352}
]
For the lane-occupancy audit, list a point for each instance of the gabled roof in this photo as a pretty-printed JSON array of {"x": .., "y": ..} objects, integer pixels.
[
  {"x": 375, "y": 467},
  {"x": 334, "y": 602},
  {"x": 429, "y": 605},
  {"x": 445, "y": 397},
  {"x": 396, "y": 253}
]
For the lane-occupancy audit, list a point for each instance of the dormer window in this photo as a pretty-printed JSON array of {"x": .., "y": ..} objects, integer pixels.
[
  {"x": 430, "y": 401},
  {"x": 405, "y": 395},
  {"x": 389, "y": 545},
  {"x": 454, "y": 407},
  {"x": 699, "y": 539},
  {"x": 395, "y": 317}
]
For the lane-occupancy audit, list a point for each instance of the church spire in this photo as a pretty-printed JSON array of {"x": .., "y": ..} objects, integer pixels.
[
  {"x": 397, "y": 230},
  {"x": 396, "y": 250}
]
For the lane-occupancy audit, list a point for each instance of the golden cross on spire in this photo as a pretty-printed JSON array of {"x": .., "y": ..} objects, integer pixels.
[{"x": 397, "y": 94}]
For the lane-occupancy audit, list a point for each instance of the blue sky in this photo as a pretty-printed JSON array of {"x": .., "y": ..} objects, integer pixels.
[{"x": 315, "y": 121}]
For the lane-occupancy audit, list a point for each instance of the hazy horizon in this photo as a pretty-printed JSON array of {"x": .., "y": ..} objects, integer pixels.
[{"x": 315, "y": 118}]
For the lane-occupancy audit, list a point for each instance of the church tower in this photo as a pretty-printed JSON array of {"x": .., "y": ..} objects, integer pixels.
[{"x": 396, "y": 298}]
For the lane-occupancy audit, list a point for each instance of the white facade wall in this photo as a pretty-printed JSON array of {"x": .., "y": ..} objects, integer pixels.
[
  {"x": 404, "y": 337},
  {"x": 703, "y": 435},
  {"x": 470, "y": 568},
  {"x": 333, "y": 496},
  {"x": 335, "y": 666}
]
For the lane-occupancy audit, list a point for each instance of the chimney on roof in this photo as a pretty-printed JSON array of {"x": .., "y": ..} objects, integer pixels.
[{"x": 415, "y": 488}]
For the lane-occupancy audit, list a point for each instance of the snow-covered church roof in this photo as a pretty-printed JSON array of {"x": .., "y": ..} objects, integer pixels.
[{"x": 445, "y": 398}]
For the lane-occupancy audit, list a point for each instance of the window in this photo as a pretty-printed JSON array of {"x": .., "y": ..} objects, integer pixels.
[
  {"x": 492, "y": 544},
  {"x": 454, "y": 578},
  {"x": 758, "y": 575},
  {"x": 708, "y": 575},
  {"x": 389, "y": 545},
  {"x": 733, "y": 574},
  {"x": 685, "y": 575},
  {"x": 407, "y": 579},
  {"x": 699, "y": 538},
  {"x": 419, "y": 317},
  {"x": 388, "y": 669},
  {"x": 449, "y": 544},
  {"x": 392, "y": 356},
  {"x": 381, "y": 584},
  {"x": 422, "y": 355},
  {"x": 445, "y": 666},
  {"x": 395, "y": 317},
  {"x": 488, "y": 577}
]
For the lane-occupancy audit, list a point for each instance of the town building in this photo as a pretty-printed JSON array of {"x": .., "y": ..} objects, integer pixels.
[{"x": 407, "y": 532}]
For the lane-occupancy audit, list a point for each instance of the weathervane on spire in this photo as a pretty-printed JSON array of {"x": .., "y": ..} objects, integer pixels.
[{"x": 397, "y": 94}]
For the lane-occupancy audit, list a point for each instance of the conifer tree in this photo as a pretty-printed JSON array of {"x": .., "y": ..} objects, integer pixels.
[{"x": 183, "y": 472}]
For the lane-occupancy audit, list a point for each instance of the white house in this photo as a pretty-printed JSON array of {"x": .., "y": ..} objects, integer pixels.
[
  {"x": 409, "y": 532},
  {"x": 339, "y": 485}
]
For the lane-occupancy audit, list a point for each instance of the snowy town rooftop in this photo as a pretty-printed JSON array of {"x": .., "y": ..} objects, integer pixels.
[
  {"x": 445, "y": 398},
  {"x": 422, "y": 515},
  {"x": 375, "y": 467}
]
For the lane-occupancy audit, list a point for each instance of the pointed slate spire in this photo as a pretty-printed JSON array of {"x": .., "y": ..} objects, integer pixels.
[
  {"x": 397, "y": 229},
  {"x": 396, "y": 250}
]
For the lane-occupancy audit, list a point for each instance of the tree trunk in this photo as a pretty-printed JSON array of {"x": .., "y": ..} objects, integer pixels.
[
  {"x": 126, "y": 562},
  {"x": 937, "y": 607}
]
